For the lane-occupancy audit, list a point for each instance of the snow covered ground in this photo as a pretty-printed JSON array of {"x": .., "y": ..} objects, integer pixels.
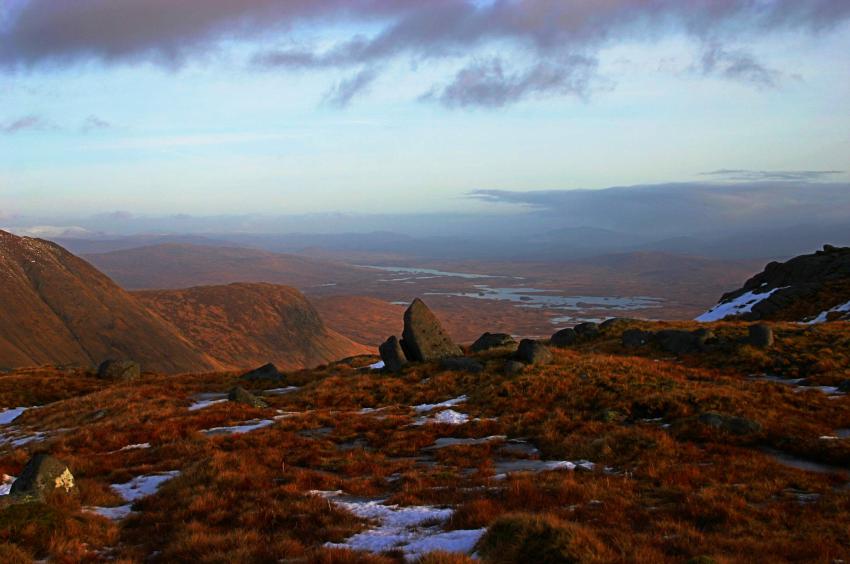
[
  {"x": 132, "y": 491},
  {"x": 742, "y": 304},
  {"x": 414, "y": 530},
  {"x": 446, "y": 417},
  {"x": 246, "y": 427},
  {"x": 203, "y": 404},
  {"x": 9, "y": 415},
  {"x": 824, "y": 315},
  {"x": 6, "y": 482},
  {"x": 425, "y": 407}
]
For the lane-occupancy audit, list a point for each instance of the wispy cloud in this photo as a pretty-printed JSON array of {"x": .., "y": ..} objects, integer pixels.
[
  {"x": 552, "y": 35},
  {"x": 341, "y": 95},
  {"x": 93, "y": 123},
  {"x": 30, "y": 122},
  {"x": 767, "y": 175}
]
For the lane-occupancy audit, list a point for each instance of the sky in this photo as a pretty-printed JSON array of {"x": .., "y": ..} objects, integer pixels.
[{"x": 149, "y": 108}]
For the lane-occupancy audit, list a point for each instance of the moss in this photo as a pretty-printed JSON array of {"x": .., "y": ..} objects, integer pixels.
[{"x": 542, "y": 539}]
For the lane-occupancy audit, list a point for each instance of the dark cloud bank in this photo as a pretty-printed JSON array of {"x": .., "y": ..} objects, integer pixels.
[{"x": 559, "y": 38}]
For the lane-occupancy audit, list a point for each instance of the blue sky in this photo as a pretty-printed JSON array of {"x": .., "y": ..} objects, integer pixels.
[{"x": 210, "y": 131}]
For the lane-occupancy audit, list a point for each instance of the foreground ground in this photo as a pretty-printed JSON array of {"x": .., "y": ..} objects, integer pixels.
[{"x": 601, "y": 456}]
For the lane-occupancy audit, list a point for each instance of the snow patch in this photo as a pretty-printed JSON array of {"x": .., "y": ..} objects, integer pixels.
[
  {"x": 742, "y": 304},
  {"x": 447, "y": 417},
  {"x": 203, "y": 404},
  {"x": 6, "y": 482},
  {"x": 451, "y": 441},
  {"x": 424, "y": 407},
  {"x": 246, "y": 427},
  {"x": 414, "y": 530},
  {"x": 281, "y": 391},
  {"x": 824, "y": 315},
  {"x": 132, "y": 447},
  {"x": 505, "y": 467},
  {"x": 132, "y": 491},
  {"x": 9, "y": 415},
  {"x": 377, "y": 366}
]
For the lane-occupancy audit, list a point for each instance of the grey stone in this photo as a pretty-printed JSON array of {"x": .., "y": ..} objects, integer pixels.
[
  {"x": 119, "y": 370},
  {"x": 761, "y": 336},
  {"x": 44, "y": 475},
  {"x": 587, "y": 330},
  {"x": 513, "y": 367},
  {"x": 392, "y": 354},
  {"x": 424, "y": 338},
  {"x": 266, "y": 372},
  {"x": 564, "y": 338},
  {"x": 533, "y": 352},
  {"x": 636, "y": 338},
  {"x": 730, "y": 423},
  {"x": 241, "y": 395},
  {"x": 490, "y": 341}
]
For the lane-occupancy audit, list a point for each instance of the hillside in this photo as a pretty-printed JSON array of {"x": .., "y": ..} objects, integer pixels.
[
  {"x": 172, "y": 266},
  {"x": 58, "y": 309},
  {"x": 245, "y": 325},
  {"x": 811, "y": 288},
  {"x": 608, "y": 453}
]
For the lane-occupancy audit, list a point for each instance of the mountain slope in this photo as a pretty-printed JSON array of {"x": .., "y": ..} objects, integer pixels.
[
  {"x": 808, "y": 288},
  {"x": 243, "y": 325},
  {"x": 58, "y": 309}
]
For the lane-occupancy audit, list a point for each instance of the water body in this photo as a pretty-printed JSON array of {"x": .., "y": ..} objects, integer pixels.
[{"x": 426, "y": 273}]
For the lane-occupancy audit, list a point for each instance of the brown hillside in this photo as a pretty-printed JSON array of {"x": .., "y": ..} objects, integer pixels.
[
  {"x": 58, "y": 309},
  {"x": 243, "y": 325}
]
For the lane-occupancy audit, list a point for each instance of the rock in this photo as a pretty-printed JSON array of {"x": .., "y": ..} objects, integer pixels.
[
  {"x": 489, "y": 341},
  {"x": 761, "y": 336},
  {"x": 392, "y": 355},
  {"x": 119, "y": 370},
  {"x": 533, "y": 352},
  {"x": 564, "y": 338},
  {"x": 241, "y": 395},
  {"x": 616, "y": 323},
  {"x": 636, "y": 338},
  {"x": 844, "y": 386},
  {"x": 513, "y": 367},
  {"x": 266, "y": 372},
  {"x": 461, "y": 364},
  {"x": 678, "y": 342},
  {"x": 587, "y": 330},
  {"x": 423, "y": 338},
  {"x": 702, "y": 337},
  {"x": 729, "y": 423},
  {"x": 44, "y": 475}
]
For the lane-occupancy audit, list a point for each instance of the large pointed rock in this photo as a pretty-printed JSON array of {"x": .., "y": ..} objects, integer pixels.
[
  {"x": 43, "y": 475},
  {"x": 423, "y": 337}
]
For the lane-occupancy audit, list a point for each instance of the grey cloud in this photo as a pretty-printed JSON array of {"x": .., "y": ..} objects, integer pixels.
[
  {"x": 44, "y": 32},
  {"x": 30, "y": 122},
  {"x": 94, "y": 123},
  {"x": 787, "y": 175},
  {"x": 345, "y": 90},
  {"x": 677, "y": 208},
  {"x": 487, "y": 84}
]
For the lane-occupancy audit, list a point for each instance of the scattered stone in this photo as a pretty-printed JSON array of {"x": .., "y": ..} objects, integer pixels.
[
  {"x": 120, "y": 370},
  {"x": 392, "y": 354},
  {"x": 636, "y": 338},
  {"x": 266, "y": 372},
  {"x": 423, "y": 338},
  {"x": 730, "y": 423},
  {"x": 514, "y": 367},
  {"x": 44, "y": 475},
  {"x": 461, "y": 364},
  {"x": 564, "y": 338},
  {"x": 761, "y": 336},
  {"x": 489, "y": 341},
  {"x": 241, "y": 395},
  {"x": 533, "y": 352},
  {"x": 587, "y": 330},
  {"x": 678, "y": 342}
]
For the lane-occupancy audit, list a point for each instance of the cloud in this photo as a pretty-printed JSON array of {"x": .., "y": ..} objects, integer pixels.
[
  {"x": 737, "y": 65},
  {"x": 487, "y": 84},
  {"x": 676, "y": 208},
  {"x": 41, "y": 33},
  {"x": 344, "y": 91},
  {"x": 94, "y": 123},
  {"x": 30, "y": 122},
  {"x": 786, "y": 175}
]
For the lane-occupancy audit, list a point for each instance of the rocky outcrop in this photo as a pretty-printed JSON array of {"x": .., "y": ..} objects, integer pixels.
[
  {"x": 44, "y": 475},
  {"x": 761, "y": 336},
  {"x": 636, "y": 338},
  {"x": 423, "y": 337},
  {"x": 813, "y": 287},
  {"x": 533, "y": 352},
  {"x": 243, "y": 396},
  {"x": 564, "y": 338},
  {"x": 119, "y": 370},
  {"x": 265, "y": 372},
  {"x": 491, "y": 341},
  {"x": 392, "y": 354}
]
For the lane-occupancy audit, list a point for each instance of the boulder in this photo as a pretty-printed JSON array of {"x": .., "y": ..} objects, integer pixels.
[
  {"x": 702, "y": 337},
  {"x": 616, "y": 323},
  {"x": 636, "y": 338},
  {"x": 266, "y": 372},
  {"x": 678, "y": 342},
  {"x": 564, "y": 338},
  {"x": 761, "y": 336},
  {"x": 729, "y": 423},
  {"x": 513, "y": 367},
  {"x": 44, "y": 475},
  {"x": 461, "y": 364},
  {"x": 119, "y": 370},
  {"x": 533, "y": 352},
  {"x": 489, "y": 341},
  {"x": 423, "y": 338},
  {"x": 587, "y": 330},
  {"x": 392, "y": 354},
  {"x": 241, "y": 395}
]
